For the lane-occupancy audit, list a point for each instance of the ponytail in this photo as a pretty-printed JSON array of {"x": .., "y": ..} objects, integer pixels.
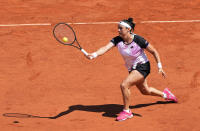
[{"x": 130, "y": 22}]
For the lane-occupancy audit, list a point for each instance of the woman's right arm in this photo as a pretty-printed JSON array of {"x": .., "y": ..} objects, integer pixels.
[{"x": 101, "y": 51}]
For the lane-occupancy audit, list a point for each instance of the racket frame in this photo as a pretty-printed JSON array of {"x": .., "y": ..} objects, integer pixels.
[{"x": 75, "y": 39}]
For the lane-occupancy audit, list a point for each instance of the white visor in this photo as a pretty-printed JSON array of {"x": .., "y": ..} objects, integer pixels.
[{"x": 124, "y": 24}]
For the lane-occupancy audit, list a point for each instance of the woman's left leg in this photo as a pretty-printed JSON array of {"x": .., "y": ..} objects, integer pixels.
[{"x": 146, "y": 90}]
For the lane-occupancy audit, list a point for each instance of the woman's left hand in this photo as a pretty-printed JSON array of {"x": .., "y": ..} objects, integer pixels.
[{"x": 161, "y": 71}]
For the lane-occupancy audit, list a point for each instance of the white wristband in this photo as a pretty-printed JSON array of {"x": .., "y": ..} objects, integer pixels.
[
  {"x": 159, "y": 65},
  {"x": 94, "y": 55}
]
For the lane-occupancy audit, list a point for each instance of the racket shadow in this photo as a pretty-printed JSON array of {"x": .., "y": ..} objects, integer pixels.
[
  {"x": 108, "y": 110},
  {"x": 21, "y": 115}
]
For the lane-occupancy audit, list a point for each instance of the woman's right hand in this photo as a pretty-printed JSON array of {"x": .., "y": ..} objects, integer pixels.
[{"x": 92, "y": 55}]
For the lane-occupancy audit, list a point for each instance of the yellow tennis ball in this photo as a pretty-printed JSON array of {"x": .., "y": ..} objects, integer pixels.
[{"x": 65, "y": 39}]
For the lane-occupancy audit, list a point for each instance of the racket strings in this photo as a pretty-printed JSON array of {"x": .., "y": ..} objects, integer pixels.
[{"x": 62, "y": 31}]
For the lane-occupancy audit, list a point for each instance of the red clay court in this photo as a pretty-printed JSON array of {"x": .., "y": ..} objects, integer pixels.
[{"x": 40, "y": 77}]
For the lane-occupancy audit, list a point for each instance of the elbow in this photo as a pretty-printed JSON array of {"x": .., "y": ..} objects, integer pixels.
[{"x": 154, "y": 53}]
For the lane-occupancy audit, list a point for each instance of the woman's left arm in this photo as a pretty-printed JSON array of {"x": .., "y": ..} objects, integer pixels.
[{"x": 155, "y": 53}]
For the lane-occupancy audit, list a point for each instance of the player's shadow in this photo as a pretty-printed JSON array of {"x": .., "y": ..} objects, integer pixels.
[{"x": 109, "y": 110}]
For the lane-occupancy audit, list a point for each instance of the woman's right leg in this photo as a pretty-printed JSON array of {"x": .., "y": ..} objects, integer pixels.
[{"x": 132, "y": 79}]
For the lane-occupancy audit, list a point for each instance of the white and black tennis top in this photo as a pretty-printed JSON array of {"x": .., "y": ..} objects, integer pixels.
[{"x": 133, "y": 52}]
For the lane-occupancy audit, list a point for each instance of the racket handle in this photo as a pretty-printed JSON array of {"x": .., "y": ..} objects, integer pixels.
[{"x": 84, "y": 52}]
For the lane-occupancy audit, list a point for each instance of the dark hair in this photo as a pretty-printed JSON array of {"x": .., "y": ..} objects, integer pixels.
[{"x": 130, "y": 22}]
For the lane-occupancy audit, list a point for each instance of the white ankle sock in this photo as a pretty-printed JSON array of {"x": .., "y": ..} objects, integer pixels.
[
  {"x": 128, "y": 111},
  {"x": 164, "y": 95}
]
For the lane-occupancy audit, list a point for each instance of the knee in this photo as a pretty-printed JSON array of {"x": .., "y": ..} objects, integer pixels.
[
  {"x": 145, "y": 91},
  {"x": 124, "y": 85}
]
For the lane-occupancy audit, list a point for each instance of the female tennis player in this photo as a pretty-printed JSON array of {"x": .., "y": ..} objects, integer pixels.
[{"x": 131, "y": 46}]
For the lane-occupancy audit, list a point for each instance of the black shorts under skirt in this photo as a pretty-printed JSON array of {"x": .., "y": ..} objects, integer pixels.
[{"x": 144, "y": 69}]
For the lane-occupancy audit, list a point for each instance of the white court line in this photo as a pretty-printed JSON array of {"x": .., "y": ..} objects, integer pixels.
[
  {"x": 94, "y": 23},
  {"x": 173, "y": 21},
  {"x": 37, "y": 24},
  {"x": 143, "y": 22},
  {"x": 97, "y": 23}
]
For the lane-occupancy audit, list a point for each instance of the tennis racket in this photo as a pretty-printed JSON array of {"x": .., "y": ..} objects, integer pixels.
[{"x": 65, "y": 34}]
